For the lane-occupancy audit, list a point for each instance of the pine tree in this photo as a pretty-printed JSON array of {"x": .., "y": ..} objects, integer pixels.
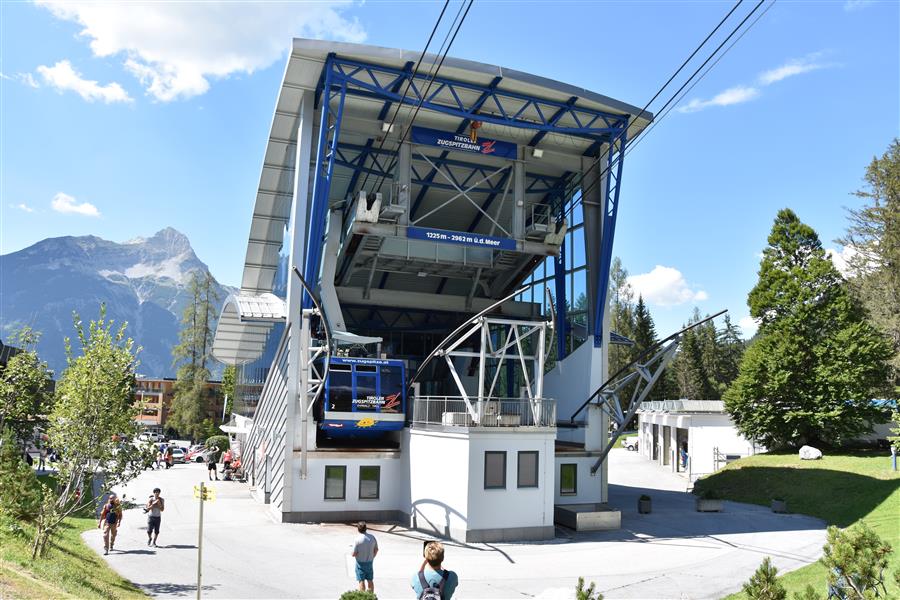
[
  {"x": 730, "y": 350},
  {"x": 644, "y": 338},
  {"x": 874, "y": 238},
  {"x": 192, "y": 355},
  {"x": 764, "y": 584},
  {"x": 816, "y": 364}
]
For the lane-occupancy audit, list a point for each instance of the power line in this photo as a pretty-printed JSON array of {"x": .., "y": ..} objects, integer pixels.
[
  {"x": 432, "y": 74},
  {"x": 634, "y": 141},
  {"x": 409, "y": 82}
]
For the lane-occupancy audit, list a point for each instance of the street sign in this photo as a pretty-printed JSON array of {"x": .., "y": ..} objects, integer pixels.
[{"x": 208, "y": 494}]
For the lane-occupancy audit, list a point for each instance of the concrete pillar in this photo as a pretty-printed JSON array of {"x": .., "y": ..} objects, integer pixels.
[
  {"x": 518, "y": 220},
  {"x": 298, "y": 230},
  {"x": 404, "y": 180}
]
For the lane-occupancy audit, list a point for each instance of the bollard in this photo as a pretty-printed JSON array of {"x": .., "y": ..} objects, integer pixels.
[{"x": 894, "y": 457}]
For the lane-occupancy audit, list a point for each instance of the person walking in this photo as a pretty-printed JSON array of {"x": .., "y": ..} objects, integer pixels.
[
  {"x": 211, "y": 458},
  {"x": 170, "y": 457},
  {"x": 432, "y": 581},
  {"x": 365, "y": 548},
  {"x": 110, "y": 519},
  {"x": 42, "y": 459},
  {"x": 155, "y": 505}
]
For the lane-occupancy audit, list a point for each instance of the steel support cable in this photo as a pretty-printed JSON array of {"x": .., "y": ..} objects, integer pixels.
[
  {"x": 702, "y": 75},
  {"x": 634, "y": 141},
  {"x": 409, "y": 81},
  {"x": 432, "y": 74}
]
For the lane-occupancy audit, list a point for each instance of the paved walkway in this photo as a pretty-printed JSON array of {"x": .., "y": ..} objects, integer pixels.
[{"x": 674, "y": 552}]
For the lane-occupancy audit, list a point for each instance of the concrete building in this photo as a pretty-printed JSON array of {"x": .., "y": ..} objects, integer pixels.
[
  {"x": 415, "y": 247},
  {"x": 701, "y": 427}
]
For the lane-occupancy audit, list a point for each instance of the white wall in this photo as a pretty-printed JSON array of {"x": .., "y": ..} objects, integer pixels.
[
  {"x": 709, "y": 432},
  {"x": 512, "y": 506},
  {"x": 309, "y": 493},
  {"x": 589, "y": 487},
  {"x": 438, "y": 483}
]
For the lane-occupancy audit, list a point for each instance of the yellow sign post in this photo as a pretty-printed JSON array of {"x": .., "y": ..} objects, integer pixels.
[{"x": 204, "y": 494}]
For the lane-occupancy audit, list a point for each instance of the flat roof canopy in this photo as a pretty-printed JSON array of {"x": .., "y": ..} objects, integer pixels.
[{"x": 568, "y": 107}]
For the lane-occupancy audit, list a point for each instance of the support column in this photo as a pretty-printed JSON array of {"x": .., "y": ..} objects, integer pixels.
[
  {"x": 295, "y": 437},
  {"x": 592, "y": 207},
  {"x": 404, "y": 180},
  {"x": 518, "y": 221}
]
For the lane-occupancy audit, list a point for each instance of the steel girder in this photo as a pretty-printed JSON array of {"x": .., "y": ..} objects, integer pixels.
[{"x": 376, "y": 81}]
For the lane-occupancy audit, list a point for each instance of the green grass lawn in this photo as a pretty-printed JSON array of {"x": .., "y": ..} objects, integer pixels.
[
  {"x": 840, "y": 489},
  {"x": 70, "y": 569}
]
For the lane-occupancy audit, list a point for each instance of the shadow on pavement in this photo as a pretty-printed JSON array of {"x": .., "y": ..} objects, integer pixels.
[
  {"x": 175, "y": 589},
  {"x": 116, "y": 551},
  {"x": 180, "y": 546}
]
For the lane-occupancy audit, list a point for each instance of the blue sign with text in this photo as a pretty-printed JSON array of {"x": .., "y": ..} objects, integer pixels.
[
  {"x": 460, "y": 237},
  {"x": 454, "y": 141}
]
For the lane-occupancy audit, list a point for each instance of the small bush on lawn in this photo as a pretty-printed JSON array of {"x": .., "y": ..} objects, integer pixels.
[
  {"x": 358, "y": 595},
  {"x": 586, "y": 594},
  {"x": 764, "y": 584}
]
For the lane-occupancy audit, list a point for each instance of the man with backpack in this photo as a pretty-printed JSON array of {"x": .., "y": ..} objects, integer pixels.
[
  {"x": 110, "y": 519},
  {"x": 432, "y": 582}
]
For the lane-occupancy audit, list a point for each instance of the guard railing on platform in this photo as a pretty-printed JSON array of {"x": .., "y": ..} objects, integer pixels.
[{"x": 496, "y": 412}]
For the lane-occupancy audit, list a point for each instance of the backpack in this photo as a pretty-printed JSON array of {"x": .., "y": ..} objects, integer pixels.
[
  {"x": 429, "y": 592},
  {"x": 111, "y": 516}
]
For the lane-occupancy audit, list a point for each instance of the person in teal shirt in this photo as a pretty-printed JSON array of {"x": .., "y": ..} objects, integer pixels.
[{"x": 433, "y": 573}]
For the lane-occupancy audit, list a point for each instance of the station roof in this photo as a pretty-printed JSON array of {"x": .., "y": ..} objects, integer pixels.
[{"x": 361, "y": 123}]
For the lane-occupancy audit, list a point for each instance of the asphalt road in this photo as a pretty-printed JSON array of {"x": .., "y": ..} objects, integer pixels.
[{"x": 674, "y": 552}]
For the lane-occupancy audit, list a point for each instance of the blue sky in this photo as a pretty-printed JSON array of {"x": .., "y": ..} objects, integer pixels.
[{"x": 118, "y": 120}]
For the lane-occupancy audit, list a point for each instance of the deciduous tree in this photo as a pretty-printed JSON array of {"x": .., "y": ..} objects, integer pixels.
[
  {"x": 25, "y": 388},
  {"x": 91, "y": 424}
]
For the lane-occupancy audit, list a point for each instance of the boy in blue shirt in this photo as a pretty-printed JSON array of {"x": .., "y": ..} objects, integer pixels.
[{"x": 432, "y": 573}]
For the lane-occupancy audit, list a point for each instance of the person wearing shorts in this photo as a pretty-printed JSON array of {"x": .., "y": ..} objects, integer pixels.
[
  {"x": 155, "y": 505},
  {"x": 211, "y": 462},
  {"x": 365, "y": 547}
]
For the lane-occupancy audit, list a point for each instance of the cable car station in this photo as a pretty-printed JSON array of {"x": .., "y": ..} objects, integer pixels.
[{"x": 422, "y": 313}]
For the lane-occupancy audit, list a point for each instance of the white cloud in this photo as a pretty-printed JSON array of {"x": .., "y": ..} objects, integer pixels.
[
  {"x": 734, "y": 95},
  {"x": 64, "y": 77},
  {"x": 793, "y": 67},
  {"x": 25, "y": 78},
  {"x": 744, "y": 93},
  {"x": 66, "y": 204},
  {"x": 174, "y": 48},
  {"x": 851, "y": 5},
  {"x": 748, "y": 326},
  {"x": 665, "y": 286},
  {"x": 23, "y": 207},
  {"x": 841, "y": 258}
]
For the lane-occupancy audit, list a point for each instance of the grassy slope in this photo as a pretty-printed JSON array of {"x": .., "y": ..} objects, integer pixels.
[
  {"x": 840, "y": 490},
  {"x": 70, "y": 569}
]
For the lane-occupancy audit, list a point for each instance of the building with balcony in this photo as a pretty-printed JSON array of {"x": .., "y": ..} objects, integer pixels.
[{"x": 153, "y": 399}]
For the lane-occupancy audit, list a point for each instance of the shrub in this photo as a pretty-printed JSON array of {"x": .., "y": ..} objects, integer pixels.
[
  {"x": 710, "y": 494},
  {"x": 764, "y": 584},
  {"x": 586, "y": 594},
  {"x": 856, "y": 558},
  {"x": 358, "y": 595},
  {"x": 644, "y": 497},
  {"x": 19, "y": 492},
  {"x": 808, "y": 594}
]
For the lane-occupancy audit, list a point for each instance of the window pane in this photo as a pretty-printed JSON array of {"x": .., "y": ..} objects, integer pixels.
[
  {"x": 494, "y": 470},
  {"x": 369, "y": 482},
  {"x": 528, "y": 469},
  {"x": 335, "y": 478},
  {"x": 568, "y": 479}
]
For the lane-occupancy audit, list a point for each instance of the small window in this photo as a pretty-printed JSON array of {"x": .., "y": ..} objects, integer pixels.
[
  {"x": 335, "y": 482},
  {"x": 528, "y": 469},
  {"x": 494, "y": 470},
  {"x": 369, "y": 483},
  {"x": 568, "y": 480}
]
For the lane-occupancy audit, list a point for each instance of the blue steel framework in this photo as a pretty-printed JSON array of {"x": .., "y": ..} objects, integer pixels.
[{"x": 341, "y": 76}]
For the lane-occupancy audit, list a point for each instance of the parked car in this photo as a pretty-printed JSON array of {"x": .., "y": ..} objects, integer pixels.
[
  {"x": 177, "y": 454},
  {"x": 630, "y": 443},
  {"x": 199, "y": 455}
]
